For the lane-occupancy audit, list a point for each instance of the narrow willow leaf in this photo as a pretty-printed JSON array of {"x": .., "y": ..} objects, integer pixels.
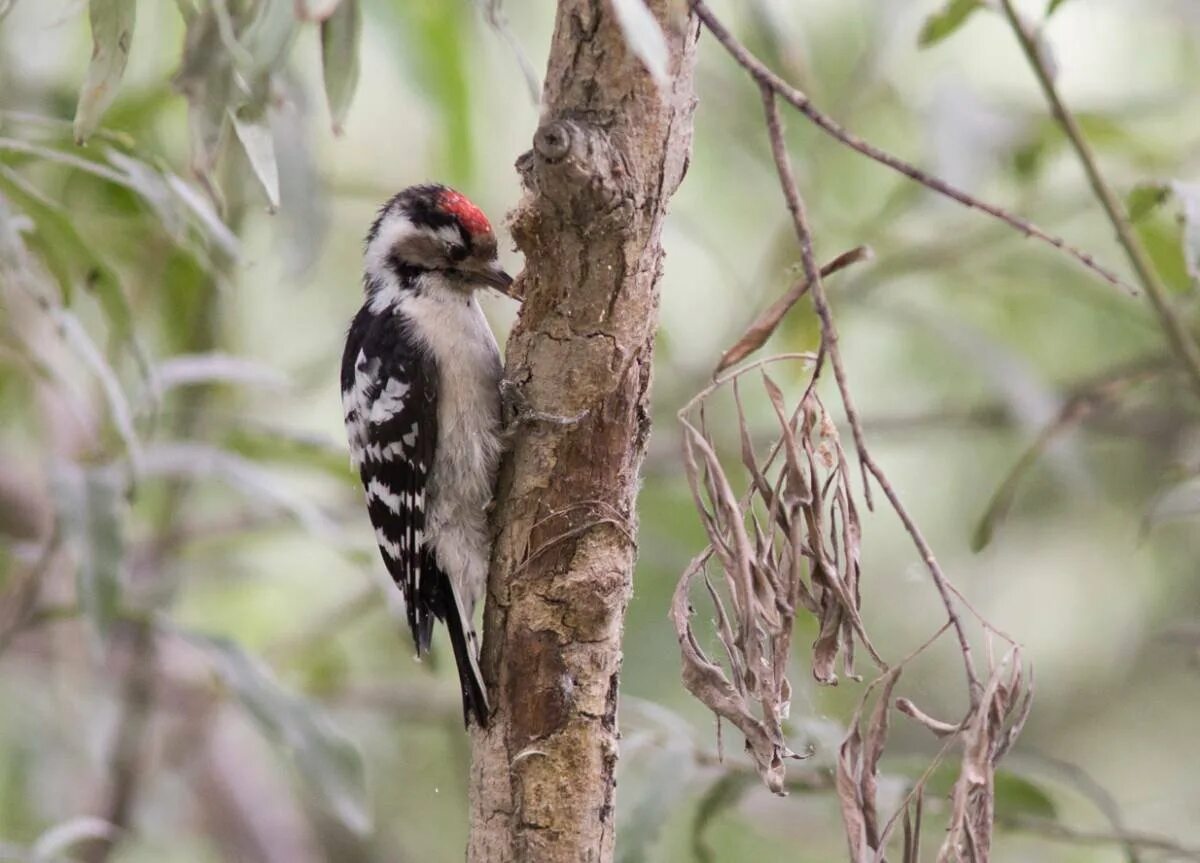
[
  {"x": 1189, "y": 198},
  {"x": 217, "y": 231},
  {"x": 152, "y": 188},
  {"x": 340, "y": 34},
  {"x": 284, "y": 446},
  {"x": 119, "y": 411},
  {"x": 49, "y": 154},
  {"x": 316, "y": 10},
  {"x": 1178, "y": 503},
  {"x": 645, "y": 38},
  {"x": 91, "y": 508},
  {"x": 63, "y": 250},
  {"x": 201, "y": 461},
  {"x": 206, "y": 80},
  {"x": 51, "y": 845},
  {"x": 254, "y": 134},
  {"x": 326, "y": 760},
  {"x": 112, "y": 34},
  {"x": 494, "y": 15},
  {"x": 191, "y": 369},
  {"x": 267, "y": 39},
  {"x": 946, "y": 21},
  {"x": 1052, "y": 7},
  {"x": 666, "y": 778}
]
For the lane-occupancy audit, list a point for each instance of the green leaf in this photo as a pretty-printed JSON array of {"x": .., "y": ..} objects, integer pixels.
[
  {"x": 1052, "y": 7},
  {"x": 211, "y": 368},
  {"x": 645, "y": 38},
  {"x": 1162, "y": 235},
  {"x": 288, "y": 447},
  {"x": 1179, "y": 503},
  {"x": 1144, "y": 198},
  {"x": 665, "y": 780},
  {"x": 217, "y": 231},
  {"x": 201, "y": 461},
  {"x": 112, "y": 34},
  {"x": 325, "y": 759},
  {"x": 340, "y": 35},
  {"x": 1016, "y": 795},
  {"x": 267, "y": 40},
  {"x": 81, "y": 343},
  {"x": 91, "y": 508},
  {"x": 68, "y": 257},
  {"x": 205, "y": 78},
  {"x": 254, "y": 134},
  {"x": 943, "y": 23}
]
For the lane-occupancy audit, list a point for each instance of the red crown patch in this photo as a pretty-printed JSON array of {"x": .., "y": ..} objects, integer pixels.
[{"x": 472, "y": 217}]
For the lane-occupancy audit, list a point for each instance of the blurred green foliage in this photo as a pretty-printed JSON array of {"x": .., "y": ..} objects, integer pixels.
[{"x": 171, "y": 457}]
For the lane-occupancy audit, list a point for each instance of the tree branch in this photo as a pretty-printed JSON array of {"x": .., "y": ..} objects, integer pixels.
[
  {"x": 829, "y": 342},
  {"x": 798, "y": 100},
  {"x": 1173, "y": 326},
  {"x": 611, "y": 149}
]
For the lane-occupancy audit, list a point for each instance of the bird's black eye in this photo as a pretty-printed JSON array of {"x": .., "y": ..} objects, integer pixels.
[{"x": 456, "y": 252}]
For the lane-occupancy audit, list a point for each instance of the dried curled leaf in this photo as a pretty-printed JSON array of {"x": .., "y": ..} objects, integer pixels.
[
  {"x": 707, "y": 681},
  {"x": 788, "y": 545},
  {"x": 989, "y": 731}
]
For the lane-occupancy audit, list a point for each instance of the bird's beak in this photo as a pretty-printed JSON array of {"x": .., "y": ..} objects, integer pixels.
[{"x": 492, "y": 275}]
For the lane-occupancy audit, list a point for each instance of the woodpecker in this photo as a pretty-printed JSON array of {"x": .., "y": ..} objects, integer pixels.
[{"x": 421, "y": 398}]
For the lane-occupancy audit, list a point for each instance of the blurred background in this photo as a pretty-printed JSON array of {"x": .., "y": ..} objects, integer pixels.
[{"x": 197, "y": 639}]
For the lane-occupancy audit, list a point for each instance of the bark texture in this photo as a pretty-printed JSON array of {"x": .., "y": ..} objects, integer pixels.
[{"x": 609, "y": 152}]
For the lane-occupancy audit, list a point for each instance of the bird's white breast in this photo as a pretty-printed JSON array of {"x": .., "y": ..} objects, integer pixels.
[{"x": 452, "y": 327}]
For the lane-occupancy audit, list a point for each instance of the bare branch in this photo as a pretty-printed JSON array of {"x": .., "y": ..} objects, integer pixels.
[
  {"x": 768, "y": 79},
  {"x": 1173, "y": 326},
  {"x": 829, "y": 340}
]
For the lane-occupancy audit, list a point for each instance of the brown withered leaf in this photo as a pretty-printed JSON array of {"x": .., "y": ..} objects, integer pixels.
[
  {"x": 789, "y": 543},
  {"x": 768, "y": 321},
  {"x": 849, "y": 790},
  {"x": 873, "y": 744},
  {"x": 708, "y": 683},
  {"x": 989, "y": 730}
]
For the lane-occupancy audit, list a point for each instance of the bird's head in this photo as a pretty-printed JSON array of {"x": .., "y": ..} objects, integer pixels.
[{"x": 434, "y": 229}]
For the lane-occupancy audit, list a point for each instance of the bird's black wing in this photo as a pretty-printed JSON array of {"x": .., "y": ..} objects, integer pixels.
[{"x": 389, "y": 392}]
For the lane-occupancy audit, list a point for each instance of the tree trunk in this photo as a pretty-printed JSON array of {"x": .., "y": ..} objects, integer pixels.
[{"x": 609, "y": 152}]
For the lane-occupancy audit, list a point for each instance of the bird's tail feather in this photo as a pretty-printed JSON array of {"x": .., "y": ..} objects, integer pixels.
[{"x": 466, "y": 653}]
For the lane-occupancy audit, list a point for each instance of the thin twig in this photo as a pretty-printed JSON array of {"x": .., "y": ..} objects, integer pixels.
[
  {"x": 1176, "y": 330},
  {"x": 1062, "y": 833},
  {"x": 829, "y": 340},
  {"x": 797, "y": 99},
  {"x": 1083, "y": 782}
]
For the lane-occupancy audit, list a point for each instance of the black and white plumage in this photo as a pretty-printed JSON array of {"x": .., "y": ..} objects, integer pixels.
[{"x": 421, "y": 397}]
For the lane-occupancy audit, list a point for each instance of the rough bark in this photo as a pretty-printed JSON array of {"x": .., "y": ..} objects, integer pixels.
[{"x": 610, "y": 150}]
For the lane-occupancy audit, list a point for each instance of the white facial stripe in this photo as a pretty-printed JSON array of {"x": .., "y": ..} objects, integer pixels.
[
  {"x": 449, "y": 234},
  {"x": 393, "y": 230}
]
